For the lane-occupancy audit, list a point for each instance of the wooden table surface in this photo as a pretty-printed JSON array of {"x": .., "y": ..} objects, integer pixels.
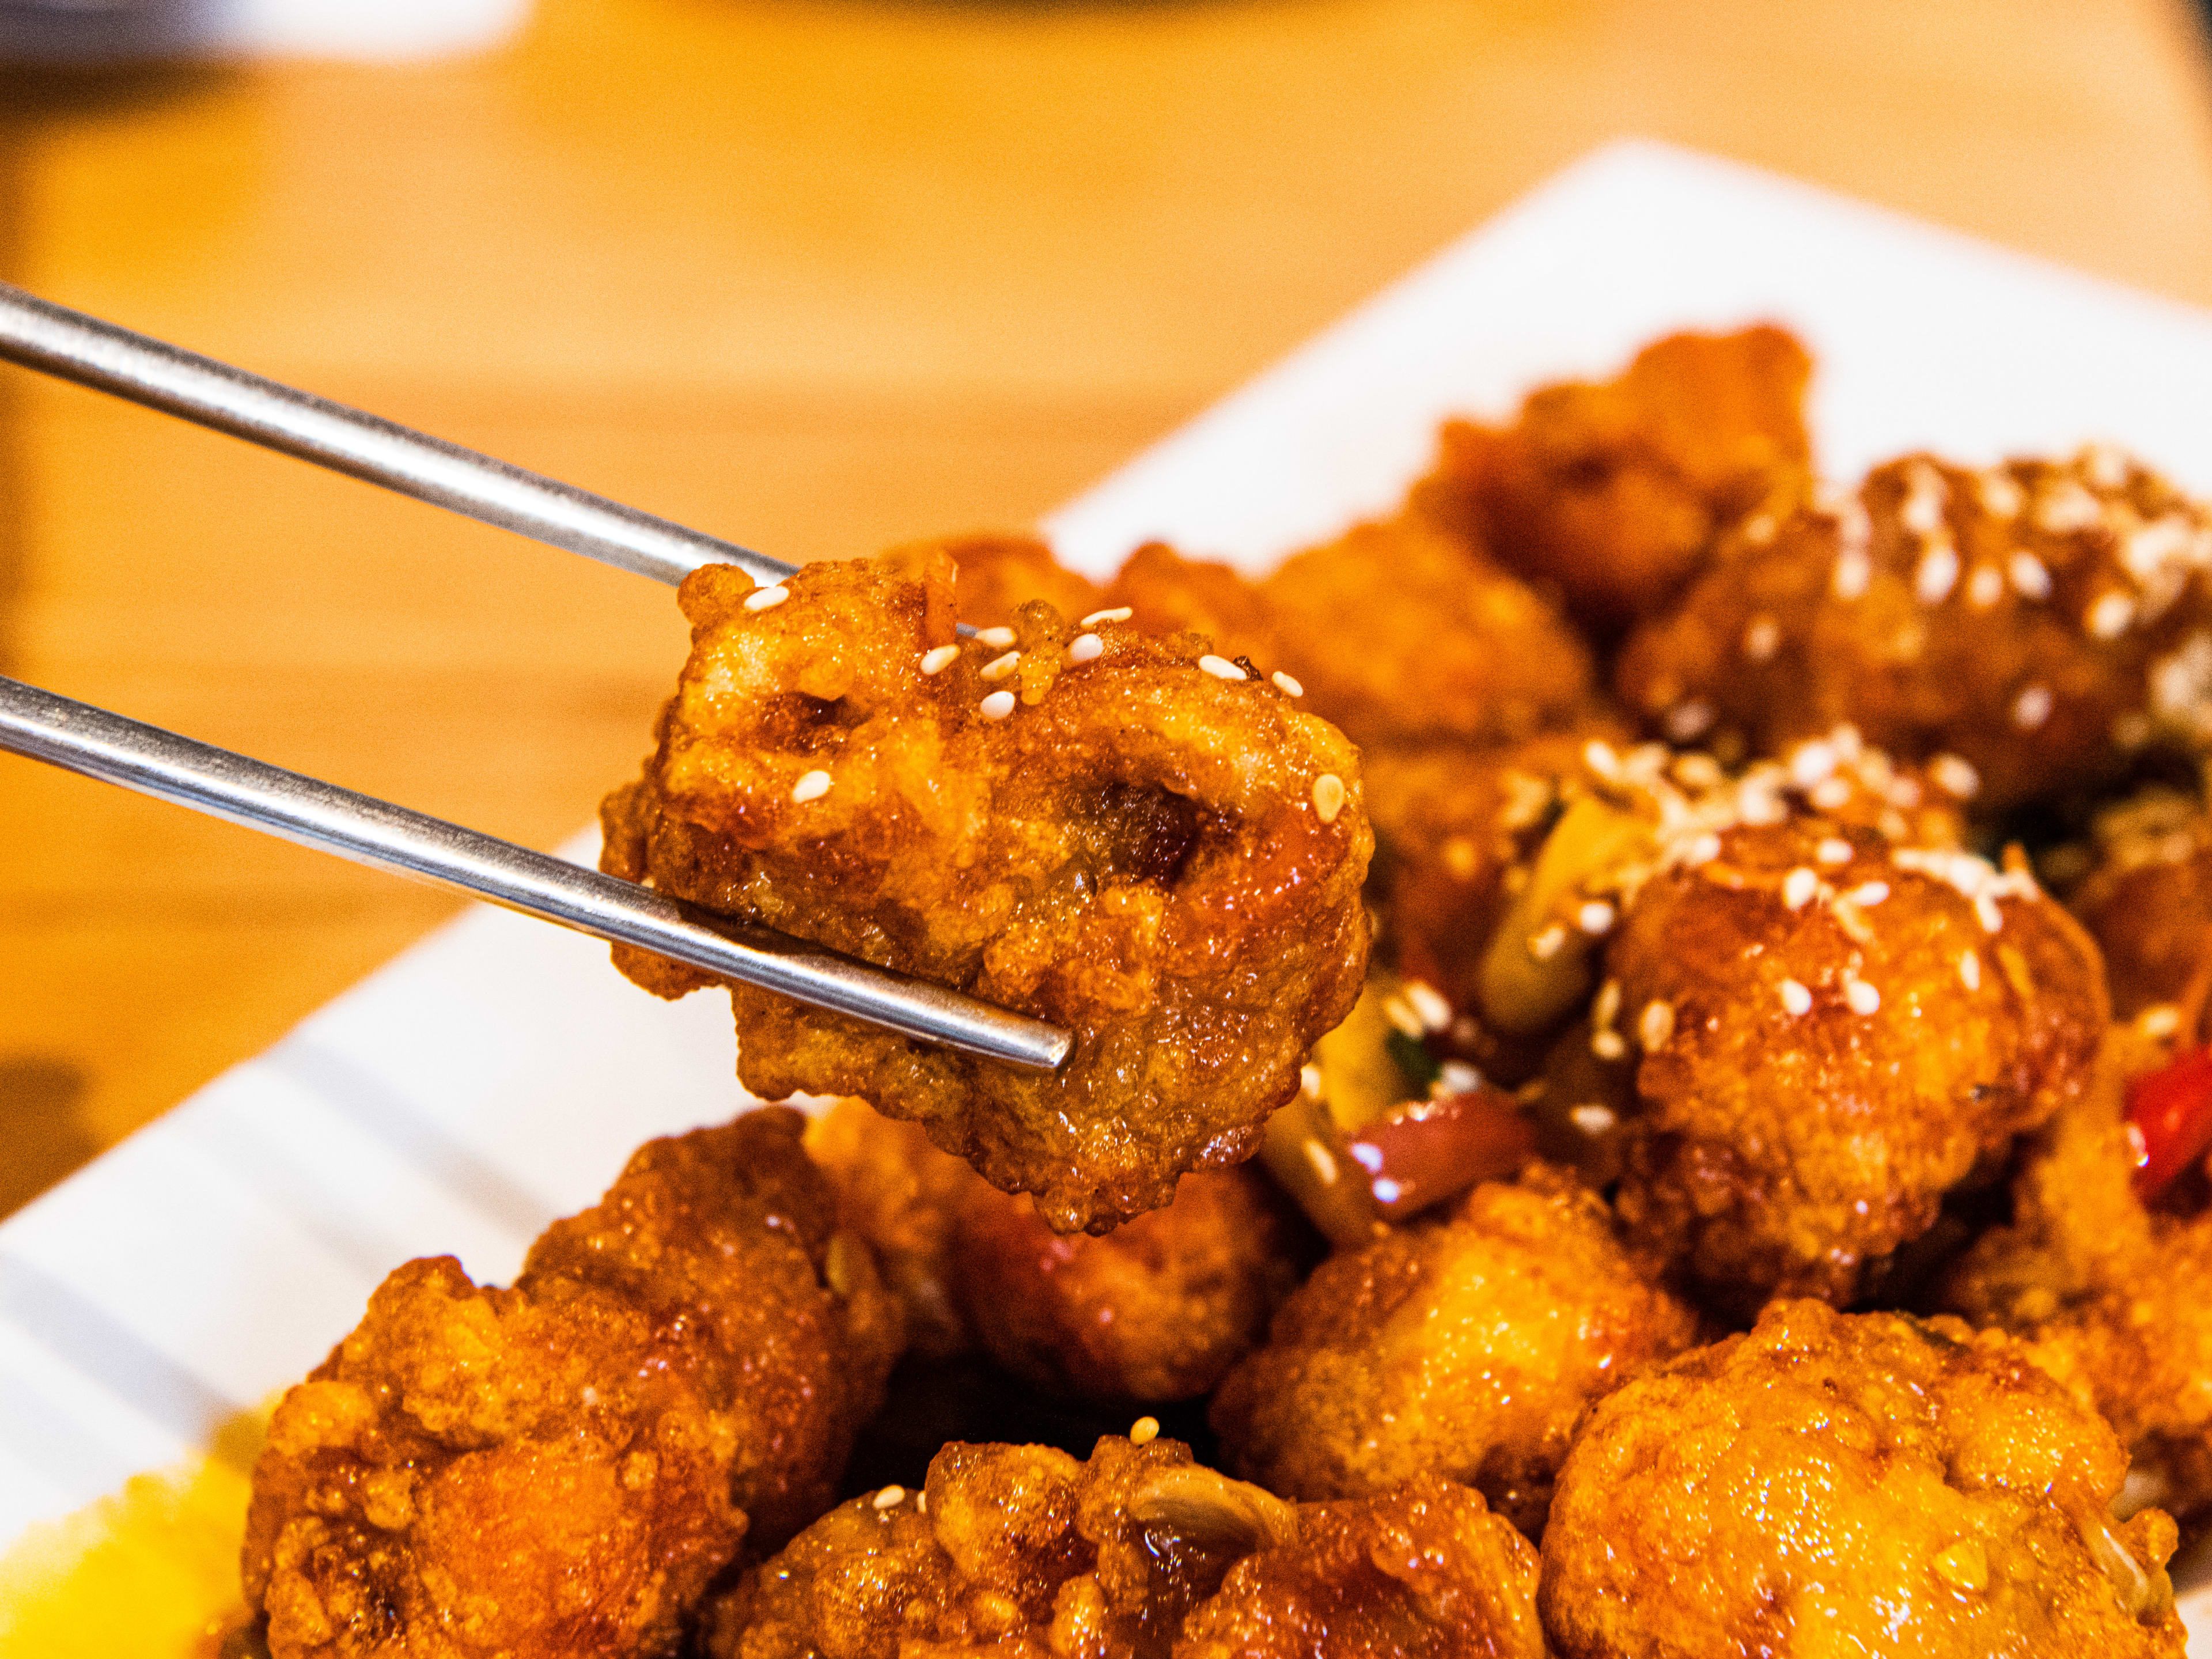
[{"x": 818, "y": 275}]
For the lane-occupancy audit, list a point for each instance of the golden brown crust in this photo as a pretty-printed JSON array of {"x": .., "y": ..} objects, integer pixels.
[
  {"x": 1000, "y": 575},
  {"x": 1464, "y": 1348},
  {"x": 1165, "y": 860},
  {"x": 1835, "y": 1483},
  {"x": 560, "y": 1468},
  {"x": 1850, "y": 1029},
  {"x": 1157, "y": 1310},
  {"x": 2148, "y": 901},
  {"x": 2036, "y": 620},
  {"x": 1612, "y": 495}
]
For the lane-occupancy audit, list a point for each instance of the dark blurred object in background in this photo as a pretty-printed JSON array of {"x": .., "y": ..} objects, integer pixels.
[{"x": 96, "y": 31}]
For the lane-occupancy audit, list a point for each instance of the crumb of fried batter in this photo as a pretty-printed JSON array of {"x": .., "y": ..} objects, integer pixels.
[
  {"x": 1165, "y": 860},
  {"x": 560, "y": 1469},
  {"x": 1613, "y": 495},
  {"x": 1464, "y": 1347},
  {"x": 1899, "y": 1485}
]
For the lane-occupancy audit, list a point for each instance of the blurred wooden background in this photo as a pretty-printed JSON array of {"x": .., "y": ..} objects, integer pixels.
[{"x": 817, "y": 274}]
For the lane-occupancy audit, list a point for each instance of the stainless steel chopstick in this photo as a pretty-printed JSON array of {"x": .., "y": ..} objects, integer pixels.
[
  {"x": 81, "y": 738},
  {"x": 73, "y": 346}
]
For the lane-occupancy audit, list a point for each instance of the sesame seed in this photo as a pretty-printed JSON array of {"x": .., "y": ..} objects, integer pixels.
[
  {"x": 2028, "y": 575},
  {"x": 890, "y": 1497},
  {"x": 1549, "y": 944},
  {"x": 1809, "y": 762},
  {"x": 1868, "y": 894},
  {"x": 1699, "y": 771},
  {"x": 1656, "y": 1025},
  {"x": 1762, "y": 639},
  {"x": 1704, "y": 850},
  {"x": 2001, "y": 498},
  {"x": 1428, "y": 1002},
  {"x": 1607, "y": 1008},
  {"x": 2066, "y": 507},
  {"x": 936, "y": 661},
  {"x": 2031, "y": 707},
  {"x": 1119, "y": 613},
  {"x": 1084, "y": 648},
  {"x": 1937, "y": 573},
  {"x": 1456, "y": 1077},
  {"x": 1286, "y": 685},
  {"x": 1798, "y": 887},
  {"x": 998, "y": 705},
  {"x": 1955, "y": 777},
  {"x": 1329, "y": 796},
  {"x": 1688, "y": 722},
  {"x": 1984, "y": 587},
  {"x": 1834, "y": 850},
  {"x": 1221, "y": 668},
  {"x": 1921, "y": 511},
  {"x": 1145, "y": 1430},
  {"x": 2161, "y": 1019},
  {"x": 766, "y": 598},
  {"x": 1310, "y": 1079},
  {"x": 811, "y": 786},
  {"x": 1986, "y": 912},
  {"x": 1970, "y": 970},
  {"x": 998, "y": 667},
  {"x": 1599, "y": 756},
  {"x": 997, "y": 638},
  {"x": 1593, "y": 1118},
  {"x": 1386, "y": 1190},
  {"x": 1322, "y": 1161},
  {"x": 1759, "y": 529},
  {"x": 1863, "y": 997},
  {"x": 1595, "y": 917},
  {"x": 1854, "y": 573},
  {"x": 2103, "y": 466},
  {"x": 921, "y": 1502},
  {"x": 2109, "y": 616},
  {"x": 1402, "y": 1018},
  {"x": 1796, "y": 998},
  {"x": 1608, "y": 1045}
]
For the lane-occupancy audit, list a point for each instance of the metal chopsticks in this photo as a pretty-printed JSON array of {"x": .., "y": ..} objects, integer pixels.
[{"x": 81, "y": 738}]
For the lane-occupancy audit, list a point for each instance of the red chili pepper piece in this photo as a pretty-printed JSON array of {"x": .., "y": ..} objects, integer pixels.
[
  {"x": 1426, "y": 1151},
  {"x": 2170, "y": 1112}
]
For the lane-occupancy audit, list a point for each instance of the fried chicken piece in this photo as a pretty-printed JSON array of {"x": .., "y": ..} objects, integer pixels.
[
  {"x": 560, "y": 1468},
  {"x": 1852, "y": 1483},
  {"x": 1021, "y": 1550},
  {"x": 1396, "y": 631},
  {"x": 1164, "y": 857},
  {"x": 2148, "y": 899},
  {"x": 2108, "y": 1295},
  {"x": 1425, "y": 1572},
  {"x": 1000, "y": 575},
  {"x": 1612, "y": 495},
  {"x": 1157, "y": 1310},
  {"x": 2038, "y": 622},
  {"x": 1465, "y": 1348},
  {"x": 1836, "y": 1031},
  {"x": 902, "y": 1196}
]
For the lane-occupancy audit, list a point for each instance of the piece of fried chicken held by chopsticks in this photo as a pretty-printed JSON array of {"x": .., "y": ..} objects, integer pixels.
[
  {"x": 1868, "y": 1483},
  {"x": 1136, "y": 1554},
  {"x": 1149, "y": 844},
  {"x": 560, "y": 1469}
]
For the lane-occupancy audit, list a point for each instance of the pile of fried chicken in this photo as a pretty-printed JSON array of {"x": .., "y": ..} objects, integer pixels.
[{"x": 1640, "y": 1090}]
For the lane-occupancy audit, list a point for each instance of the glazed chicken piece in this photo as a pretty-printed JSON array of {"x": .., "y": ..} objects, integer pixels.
[
  {"x": 1612, "y": 496},
  {"x": 1138, "y": 1554},
  {"x": 560, "y": 1468},
  {"x": 1851, "y": 1484},
  {"x": 2147, "y": 898},
  {"x": 2030, "y": 626},
  {"x": 1835, "y": 1032},
  {"x": 1130, "y": 837},
  {"x": 1465, "y": 1347}
]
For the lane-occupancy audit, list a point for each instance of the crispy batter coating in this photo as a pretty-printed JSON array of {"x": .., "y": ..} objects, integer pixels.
[
  {"x": 1023, "y": 1551},
  {"x": 1612, "y": 495},
  {"x": 1396, "y": 631},
  {"x": 1165, "y": 860},
  {"x": 902, "y": 1196},
  {"x": 1464, "y": 1348},
  {"x": 2148, "y": 899},
  {"x": 2038, "y": 620},
  {"x": 1157, "y": 1310},
  {"x": 2109, "y": 1297},
  {"x": 1836, "y": 1030},
  {"x": 1864, "y": 1483},
  {"x": 1425, "y": 1572},
  {"x": 561, "y": 1468}
]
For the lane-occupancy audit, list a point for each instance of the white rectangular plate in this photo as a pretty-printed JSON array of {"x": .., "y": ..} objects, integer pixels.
[{"x": 496, "y": 1075}]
